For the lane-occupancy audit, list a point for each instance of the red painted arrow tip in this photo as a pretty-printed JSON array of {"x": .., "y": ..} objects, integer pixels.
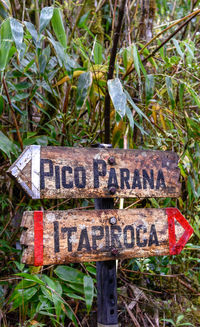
[{"x": 176, "y": 248}]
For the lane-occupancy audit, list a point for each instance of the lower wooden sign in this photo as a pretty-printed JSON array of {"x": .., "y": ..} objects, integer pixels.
[{"x": 58, "y": 237}]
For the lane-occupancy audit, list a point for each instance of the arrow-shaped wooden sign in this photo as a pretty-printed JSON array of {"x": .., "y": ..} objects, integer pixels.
[
  {"x": 61, "y": 172},
  {"x": 58, "y": 237}
]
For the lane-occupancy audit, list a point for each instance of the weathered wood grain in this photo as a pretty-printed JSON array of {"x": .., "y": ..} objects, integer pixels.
[
  {"x": 79, "y": 236},
  {"x": 61, "y": 172}
]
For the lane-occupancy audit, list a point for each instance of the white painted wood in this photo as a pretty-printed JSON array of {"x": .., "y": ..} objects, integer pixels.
[{"x": 35, "y": 171}]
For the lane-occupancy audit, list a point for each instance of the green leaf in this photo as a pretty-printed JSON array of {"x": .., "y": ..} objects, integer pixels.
[
  {"x": 84, "y": 83},
  {"x": 7, "y": 146},
  {"x": 6, "y": 42},
  {"x": 22, "y": 296},
  {"x": 149, "y": 88},
  {"x": 168, "y": 81},
  {"x": 178, "y": 49},
  {"x": 88, "y": 291},
  {"x": 118, "y": 96},
  {"x": 194, "y": 95},
  {"x": 136, "y": 60},
  {"x": 31, "y": 28},
  {"x": 135, "y": 107},
  {"x": 32, "y": 278},
  {"x": 1, "y": 105},
  {"x": 69, "y": 274},
  {"x": 17, "y": 33},
  {"x": 58, "y": 27},
  {"x": 45, "y": 17},
  {"x": 98, "y": 53},
  {"x": 130, "y": 117}
]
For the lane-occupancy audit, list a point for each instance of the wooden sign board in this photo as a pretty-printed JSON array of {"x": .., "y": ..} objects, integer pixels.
[
  {"x": 59, "y": 237},
  {"x": 61, "y": 172}
]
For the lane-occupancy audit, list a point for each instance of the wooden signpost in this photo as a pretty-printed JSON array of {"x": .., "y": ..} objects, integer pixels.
[
  {"x": 105, "y": 234},
  {"x": 61, "y": 172},
  {"x": 60, "y": 237}
]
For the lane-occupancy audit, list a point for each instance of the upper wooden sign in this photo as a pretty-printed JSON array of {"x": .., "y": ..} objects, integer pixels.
[
  {"x": 61, "y": 172},
  {"x": 58, "y": 237}
]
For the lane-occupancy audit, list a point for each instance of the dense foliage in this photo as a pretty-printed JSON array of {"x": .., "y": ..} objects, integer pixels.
[{"x": 54, "y": 59}]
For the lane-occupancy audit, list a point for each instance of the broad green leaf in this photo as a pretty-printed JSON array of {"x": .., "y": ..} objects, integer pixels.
[
  {"x": 69, "y": 274},
  {"x": 98, "y": 53},
  {"x": 83, "y": 88},
  {"x": 136, "y": 60},
  {"x": 45, "y": 17},
  {"x": 17, "y": 33},
  {"x": 58, "y": 27},
  {"x": 178, "y": 49},
  {"x": 135, "y": 107},
  {"x": 7, "y": 146},
  {"x": 149, "y": 88},
  {"x": 168, "y": 81},
  {"x": 88, "y": 291},
  {"x": 31, "y": 28},
  {"x": 6, "y": 42},
  {"x": 194, "y": 95},
  {"x": 32, "y": 278},
  {"x": 130, "y": 117},
  {"x": 21, "y": 296},
  {"x": 75, "y": 296},
  {"x": 117, "y": 96}
]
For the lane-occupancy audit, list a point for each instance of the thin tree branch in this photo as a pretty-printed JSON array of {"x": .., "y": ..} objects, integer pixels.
[
  {"x": 131, "y": 69},
  {"x": 111, "y": 71},
  {"x": 13, "y": 114}
]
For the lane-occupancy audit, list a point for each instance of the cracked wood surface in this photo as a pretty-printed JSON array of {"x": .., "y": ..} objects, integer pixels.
[
  {"x": 62, "y": 172},
  {"x": 82, "y": 236}
]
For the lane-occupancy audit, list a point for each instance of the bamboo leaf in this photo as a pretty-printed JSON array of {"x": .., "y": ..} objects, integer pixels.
[
  {"x": 149, "y": 88},
  {"x": 118, "y": 96},
  {"x": 178, "y": 49},
  {"x": 58, "y": 27},
  {"x": 98, "y": 53},
  {"x": 84, "y": 84},
  {"x": 136, "y": 60},
  {"x": 88, "y": 291},
  {"x": 6, "y": 42},
  {"x": 17, "y": 33},
  {"x": 168, "y": 81},
  {"x": 45, "y": 17}
]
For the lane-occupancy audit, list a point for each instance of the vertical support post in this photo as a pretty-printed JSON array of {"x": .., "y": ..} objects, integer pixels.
[{"x": 106, "y": 278}]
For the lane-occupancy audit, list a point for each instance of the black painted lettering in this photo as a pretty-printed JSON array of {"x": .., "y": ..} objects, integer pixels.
[
  {"x": 56, "y": 237},
  {"x": 57, "y": 176},
  {"x": 80, "y": 182},
  {"x": 138, "y": 240},
  {"x": 136, "y": 179},
  {"x": 95, "y": 237},
  {"x": 84, "y": 241},
  {"x": 147, "y": 178},
  {"x": 153, "y": 239},
  {"x": 160, "y": 180},
  {"x": 129, "y": 229},
  {"x": 98, "y": 172},
  {"x": 116, "y": 233},
  {"x": 112, "y": 179},
  {"x": 45, "y": 173},
  {"x": 64, "y": 182},
  {"x": 69, "y": 231},
  {"x": 124, "y": 178}
]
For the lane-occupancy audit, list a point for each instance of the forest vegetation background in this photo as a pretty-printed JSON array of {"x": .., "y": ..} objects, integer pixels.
[{"x": 55, "y": 77}]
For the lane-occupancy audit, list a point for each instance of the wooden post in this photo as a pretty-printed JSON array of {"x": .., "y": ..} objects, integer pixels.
[{"x": 106, "y": 276}]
